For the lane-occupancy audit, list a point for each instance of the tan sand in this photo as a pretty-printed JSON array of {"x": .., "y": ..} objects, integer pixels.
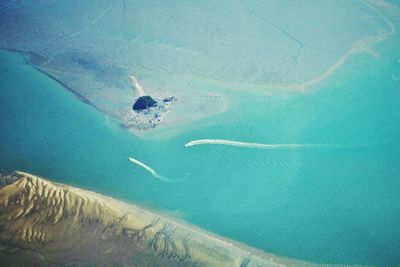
[{"x": 49, "y": 224}]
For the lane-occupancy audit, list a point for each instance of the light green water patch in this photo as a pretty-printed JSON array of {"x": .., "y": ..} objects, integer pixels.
[
  {"x": 334, "y": 205},
  {"x": 324, "y": 205}
]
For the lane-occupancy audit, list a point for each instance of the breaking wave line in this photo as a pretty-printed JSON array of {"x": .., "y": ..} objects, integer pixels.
[{"x": 257, "y": 145}]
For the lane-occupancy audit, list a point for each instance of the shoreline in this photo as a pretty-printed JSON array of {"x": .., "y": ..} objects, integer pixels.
[
  {"x": 357, "y": 79},
  {"x": 42, "y": 216}
]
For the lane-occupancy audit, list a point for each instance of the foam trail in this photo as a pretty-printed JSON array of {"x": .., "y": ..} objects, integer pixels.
[
  {"x": 150, "y": 170},
  {"x": 255, "y": 145}
]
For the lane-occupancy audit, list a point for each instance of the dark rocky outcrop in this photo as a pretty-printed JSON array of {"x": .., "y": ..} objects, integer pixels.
[
  {"x": 145, "y": 114},
  {"x": 144, "y": 102}
]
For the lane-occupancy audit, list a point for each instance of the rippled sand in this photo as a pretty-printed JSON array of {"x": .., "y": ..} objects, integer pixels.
[{"x": 44, "y": 224}]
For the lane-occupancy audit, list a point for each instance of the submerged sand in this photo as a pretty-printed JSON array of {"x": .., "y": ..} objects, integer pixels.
[{"x": 254, "y": 47}]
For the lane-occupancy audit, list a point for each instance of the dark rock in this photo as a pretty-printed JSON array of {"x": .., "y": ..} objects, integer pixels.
[{"x": 144, "y": 102}]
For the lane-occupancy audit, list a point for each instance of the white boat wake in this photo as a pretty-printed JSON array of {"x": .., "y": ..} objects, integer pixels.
[
  {"x": 257, "y": 145},
  {"x": 152, "y": 171}
]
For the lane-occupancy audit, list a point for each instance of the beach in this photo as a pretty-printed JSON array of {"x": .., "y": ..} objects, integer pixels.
[
  {"x": 50, "y": 224},
  {"x": 286, "y": 153}
]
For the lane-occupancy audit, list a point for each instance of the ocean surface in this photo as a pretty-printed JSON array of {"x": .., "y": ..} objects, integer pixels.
[{"x": 326, "y": 204}]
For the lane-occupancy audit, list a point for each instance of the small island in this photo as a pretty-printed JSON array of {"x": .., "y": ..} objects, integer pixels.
[{"x": 147, "y": 112}]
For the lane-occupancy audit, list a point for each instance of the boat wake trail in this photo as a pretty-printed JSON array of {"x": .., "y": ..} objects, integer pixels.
[
  {"x": 152, "y": 171},
  {"x": 257, "y": 145}
]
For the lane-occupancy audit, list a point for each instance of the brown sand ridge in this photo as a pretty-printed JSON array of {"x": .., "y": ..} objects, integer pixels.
[{"x": 49, "y": 224}]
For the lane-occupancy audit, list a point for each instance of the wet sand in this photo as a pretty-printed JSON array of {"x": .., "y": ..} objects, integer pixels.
[{"x": 103, "y": 79}]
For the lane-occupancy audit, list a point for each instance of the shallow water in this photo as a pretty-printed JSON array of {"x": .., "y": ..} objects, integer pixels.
[{"x": 334, "y": 204}]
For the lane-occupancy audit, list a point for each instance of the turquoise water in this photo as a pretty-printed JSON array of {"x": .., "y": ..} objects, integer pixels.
[{"x": 323, "y": 204}]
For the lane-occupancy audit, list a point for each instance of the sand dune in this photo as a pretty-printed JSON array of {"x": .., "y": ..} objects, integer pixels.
[{"x": 48, "y": 224}]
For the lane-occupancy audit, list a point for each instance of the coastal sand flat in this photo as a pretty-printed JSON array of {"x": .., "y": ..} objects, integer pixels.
[
  {"x": 44, "y": 223},
  {"x": 190, "y": 50},
  {"x": 49, "y": 224}
]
